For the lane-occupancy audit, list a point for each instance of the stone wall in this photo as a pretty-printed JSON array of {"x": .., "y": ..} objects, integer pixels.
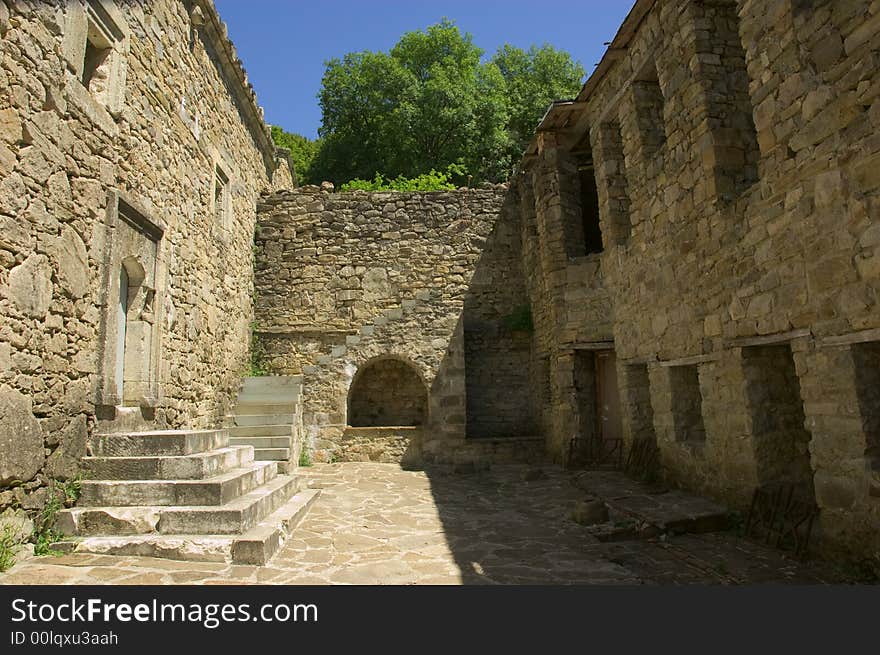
[
  {"x": 735, "y": 153},
  {"x": 345, "y": 280},
  {"x": 110, "y": 162}
]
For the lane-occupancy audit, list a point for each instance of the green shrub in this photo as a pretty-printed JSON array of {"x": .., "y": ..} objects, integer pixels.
[
  {"x": 8, "y": 546},
  {"x": 62, "y": 494},
  {"x": 519, "y": 320},
  {"x": 257, "y": 364},
  {"x": 432, "y": 181},
  {"x": 305, "y": 457}
]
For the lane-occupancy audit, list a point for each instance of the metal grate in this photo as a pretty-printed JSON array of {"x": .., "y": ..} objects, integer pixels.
[
  {"x": 595, "y": 453},
  {"x": 642, "y": 460},
  {"x": 782, "y": 515}
]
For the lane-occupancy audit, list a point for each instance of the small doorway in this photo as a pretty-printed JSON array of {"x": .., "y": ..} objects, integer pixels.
[{"x": 598, "y": 442}]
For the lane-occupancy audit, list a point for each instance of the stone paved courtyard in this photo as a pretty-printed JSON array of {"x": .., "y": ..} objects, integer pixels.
[{"x": 379, "y": 524}]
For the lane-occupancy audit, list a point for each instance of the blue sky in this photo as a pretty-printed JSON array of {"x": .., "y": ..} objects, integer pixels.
[{"x": 284, "y": 44}]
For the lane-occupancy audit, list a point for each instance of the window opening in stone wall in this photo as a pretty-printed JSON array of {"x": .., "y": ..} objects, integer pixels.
[
  {"x": 731, "y": 154},
  {"x": 649, "y": 104},
  {"x": 387, "y": 393},
  {"x": 589, "y": 199},
  {"x": 100, "y": 39},
  {"x": 687, "y": 404},
  {"x": 221, "y": 198},
  {"x": 866, "y": 357},
  {"x": 780, "y": 440}
]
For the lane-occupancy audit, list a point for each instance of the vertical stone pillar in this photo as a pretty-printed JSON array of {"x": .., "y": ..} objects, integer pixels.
[
  {"x": 448, "y": 395},
  {"x": 847, "y": 510},
  {"x": 565, "y": 419},
  {"x": 730, "y": 455},
  {"x": 635, "y": 400},
  {"x": 611, "y": 178}
]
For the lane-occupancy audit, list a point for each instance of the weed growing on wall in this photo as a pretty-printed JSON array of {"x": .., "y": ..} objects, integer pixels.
[
  {"x": 257, "y": 364},
  {"x": 8, "y": 545},
  {"x": 519, "y": 320},
  {"x": 62, "y": 494}
]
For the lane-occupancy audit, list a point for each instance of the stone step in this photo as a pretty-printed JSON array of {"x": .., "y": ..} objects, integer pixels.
[
  {"x": 271, "y": 454},
  {"x": 158, "y": 443},
  {"x": 260, "y": 407},
  {"x": 260, "y": 431},
  {"x": 260, "y": 419},
  {"x": 180, "y": 467},
  {"x": 235, "y": 517},
  {"x": 256, "y": 546},
  {"x": 217, "y": 490},
  {"x": 272, "y": 383},
  {"x": 262, "y": 442},
  {"x": 270, "y": 395}
]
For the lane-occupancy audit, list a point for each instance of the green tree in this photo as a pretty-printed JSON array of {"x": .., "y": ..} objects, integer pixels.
[
  {"x": 362, "y": 127},
  {"x": 432, "y": 103},
  {"x": 427, "y": 104},
  {"x": 302, "y": 150},
  {"x": 535, "y": 78}
]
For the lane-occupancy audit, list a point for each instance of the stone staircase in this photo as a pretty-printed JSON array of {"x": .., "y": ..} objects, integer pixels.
[
  {"x": 268, "y": 417},
  {"x": 387, "y": 320},
  {"x": 182, "y": 494}
]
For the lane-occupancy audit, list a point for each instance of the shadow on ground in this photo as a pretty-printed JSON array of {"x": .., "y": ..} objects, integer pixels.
[{"x": 503, "y": 528}]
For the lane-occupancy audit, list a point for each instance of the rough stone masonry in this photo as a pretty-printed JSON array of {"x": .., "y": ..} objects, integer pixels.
[
  {"x": 688, "y": 256},
  {"x": 132, "y": 155}
]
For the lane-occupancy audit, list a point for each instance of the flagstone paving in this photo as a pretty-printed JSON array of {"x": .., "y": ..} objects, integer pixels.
[{"x": 379, "y": 524}]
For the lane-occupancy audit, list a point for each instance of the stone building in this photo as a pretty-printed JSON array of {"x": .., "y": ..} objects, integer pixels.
[
  {"x": 686, "y": 261},
  {"x": 133, "y": 154},
  {"x": 701, "y": 232},
  {"x": 397, "y": 308}
]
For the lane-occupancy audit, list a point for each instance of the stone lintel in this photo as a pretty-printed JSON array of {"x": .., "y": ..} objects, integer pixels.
[
  {"x": 694, "y": 359},
  {"x": 590, "y": 345},
  {"x": 863, "y": 336},
  {"x": 781, "y": 337}
]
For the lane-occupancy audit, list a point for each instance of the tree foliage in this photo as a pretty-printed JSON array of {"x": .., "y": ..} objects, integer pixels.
[
  {"x": 302, "y": 150},
  {"x": 430, "y": 181},
  {"x": 432, "y": 102},
  {"x": 535, "y": 78}
]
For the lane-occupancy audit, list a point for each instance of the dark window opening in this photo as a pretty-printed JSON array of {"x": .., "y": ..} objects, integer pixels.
[
  {"x": 95, "y": 56},
  {"x": 649, "y": 102},
  {"x": 589, "y": 207},
  {"x": 781, "y": 442},
  {"x": 866, "y": 357},
  {"x": 221, "y": 197}
]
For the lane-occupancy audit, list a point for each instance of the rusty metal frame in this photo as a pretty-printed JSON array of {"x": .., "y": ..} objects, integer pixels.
[
  {"x": 782, "y": 515},
  {"x": 596, "y": 453},
  {"x": 642, "y": 459}
]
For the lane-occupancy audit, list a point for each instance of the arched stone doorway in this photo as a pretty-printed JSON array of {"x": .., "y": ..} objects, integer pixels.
[{"x": 387, "y": 392}]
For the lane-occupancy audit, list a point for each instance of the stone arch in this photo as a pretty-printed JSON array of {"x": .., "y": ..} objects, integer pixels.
[{"x": 387, "y": 391}]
